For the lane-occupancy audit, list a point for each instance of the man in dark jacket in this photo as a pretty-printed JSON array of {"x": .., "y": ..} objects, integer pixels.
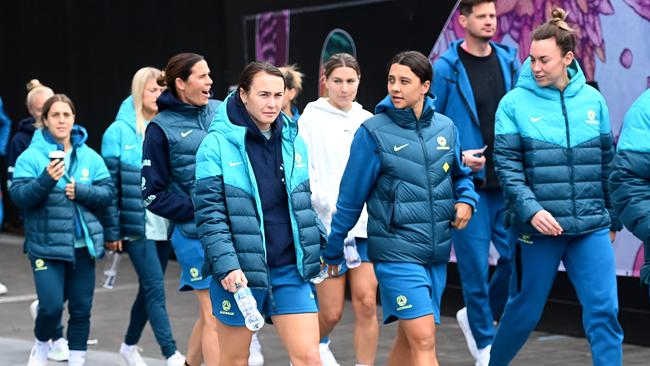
[{"x": 469, "y": 81}]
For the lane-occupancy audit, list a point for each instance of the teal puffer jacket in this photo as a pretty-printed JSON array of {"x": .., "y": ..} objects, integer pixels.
[
  {"x": 229, "y": 215},
  {"x": 552, "y": 152},
  {"x": 50, "y": 217}
]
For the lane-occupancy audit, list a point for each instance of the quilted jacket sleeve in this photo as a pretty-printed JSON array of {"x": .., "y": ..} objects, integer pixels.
[
  {"x": 509, "y": 164},
  {"x": 211, "y": 215},
  {"x": 31, "y": 184},
  {"x": 607, "y": 155},
  {"x": 629, "y": 181}
]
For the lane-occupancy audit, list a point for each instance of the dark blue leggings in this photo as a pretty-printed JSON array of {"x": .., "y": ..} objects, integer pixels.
[
  {"x": 150, "y": 259},
  {"x": 57, "y": 281}
]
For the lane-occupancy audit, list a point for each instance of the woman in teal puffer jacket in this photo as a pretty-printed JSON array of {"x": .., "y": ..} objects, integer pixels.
[
  {"x": 63, "y": 202},
  {"x": 255, "y": 220},
  {"x": 145, "y": 235},
  {"x": 553, "y": 149}
]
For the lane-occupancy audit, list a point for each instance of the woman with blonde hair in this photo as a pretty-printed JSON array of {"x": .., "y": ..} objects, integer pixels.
[
  {"x": 144, "y": 235},
  {"x": 37, "y": 94},
  {"x": 293, "y": 79},
  {"x": 553, "y": 150}
]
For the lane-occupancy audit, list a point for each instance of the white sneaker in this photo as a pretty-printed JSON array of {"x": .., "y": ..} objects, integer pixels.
[
  {"x": 3, "y": 289},
  {"x": 177, "y": 359},
  {"x": 59, "y": 350},
  {"x": 463, "y": 322},
  {"x": 483, "y": 358},
  {"x": 326, "y": 355},
  {"x": 255, "y": 358},
  {"x": 131, "y": 355},
  {"x": 77, "y": 358},
  {"x": 37, "y": 357},
  {"x": 33, "y": 309}
]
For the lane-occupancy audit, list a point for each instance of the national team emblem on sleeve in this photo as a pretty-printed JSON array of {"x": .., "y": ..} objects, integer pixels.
[
  {"x": 442, "y": 143},
  {"x": 591, "y": 118},
  {"x": 85, "y": 174},
  {"x": 445, "y": 167},
  {"x": 299, "y": 161}
]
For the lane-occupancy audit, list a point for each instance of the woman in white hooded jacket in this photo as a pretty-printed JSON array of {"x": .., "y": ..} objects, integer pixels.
[{"x": 327, "y": 126}]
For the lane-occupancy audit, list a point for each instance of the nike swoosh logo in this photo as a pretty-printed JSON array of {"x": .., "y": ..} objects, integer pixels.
[
  {"x": 184, "y": 134},
  {"x": 398, "y": 148},
  {"x": 129, "y": 147},
  {"x": 536, "y": 119},
  {"x": 235, "y": 164}
]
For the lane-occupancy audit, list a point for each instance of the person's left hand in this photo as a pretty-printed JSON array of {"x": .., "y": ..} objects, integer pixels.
[
  {"x": 333, "y": 270},
  {"x": 113, "y": 245},
  {"x": 612, "y": 236},
  {"x": 463, "y": 214},
  {"x": 69, "y": 189}
]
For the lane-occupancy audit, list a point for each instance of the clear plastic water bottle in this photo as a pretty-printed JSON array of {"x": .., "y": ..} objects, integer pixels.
[
  {"x": 248, "y": 307},
  {"x": 322, "y": 276},
  {"x": 113, "y": 259},
  {"x": 352, "y": 257}
]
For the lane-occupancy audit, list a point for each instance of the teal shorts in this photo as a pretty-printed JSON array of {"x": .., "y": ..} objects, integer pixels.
[
  {"x": 291, "y": 295},
  {"x": 189, "y": 254},
  {"x": 410, "y": 290}
]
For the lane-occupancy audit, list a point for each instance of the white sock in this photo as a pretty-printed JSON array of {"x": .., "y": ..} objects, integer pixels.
[
  {"x": 77, "y": 358},
  {"x": 41, "y": 349},
  {"x": 126, "y": 348}
]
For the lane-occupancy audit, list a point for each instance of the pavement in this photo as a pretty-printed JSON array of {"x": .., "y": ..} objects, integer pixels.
[{"x": 111, "y": 309}]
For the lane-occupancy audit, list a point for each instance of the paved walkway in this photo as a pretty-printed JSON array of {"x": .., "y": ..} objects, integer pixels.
[{"x": 111, "y": 309}]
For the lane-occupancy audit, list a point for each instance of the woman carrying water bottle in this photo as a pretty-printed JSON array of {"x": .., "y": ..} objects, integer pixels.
[
  {"x": 64, "y": 190},
  {"x": 328, "y": 125},
  {"x": 405, "y": 164},
  {"x": 255, "y": 219}
]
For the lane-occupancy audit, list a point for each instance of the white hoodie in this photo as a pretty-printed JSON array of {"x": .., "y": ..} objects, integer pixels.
[{"x": 328, "y": 133}]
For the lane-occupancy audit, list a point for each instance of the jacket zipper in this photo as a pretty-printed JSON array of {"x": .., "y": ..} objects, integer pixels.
[
  {"x": 261, "y": 217},
  {"x": 464, "y": 98},
  {"x": 426, "y": 168},
  {"x": 570, "y": 153}
]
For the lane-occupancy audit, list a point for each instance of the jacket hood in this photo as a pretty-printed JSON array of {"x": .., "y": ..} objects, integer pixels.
[
  {"x": 44, "y": 142},
  {"x": 26, "y": 125},
  {"x": 234, "y": 130},
  {"x": 405, "y": 117},
  {"x": 576, "y": 82},
  {"x": 126, "y": 113},
  {"x": 503, "y": 51},
  {"x": 322, "y": 105}
]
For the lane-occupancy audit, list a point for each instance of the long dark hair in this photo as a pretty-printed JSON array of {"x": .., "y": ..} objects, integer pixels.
[
  {"x": 417, "y": 62},
  {"x": 179, "y": 66}
]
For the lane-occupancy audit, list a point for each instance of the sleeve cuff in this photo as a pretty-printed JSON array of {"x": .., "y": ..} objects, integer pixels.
[
  {"x": 45, "y": 180},
  {"x": 469, "y": 200},
  {"x": 529, "y": 209}
]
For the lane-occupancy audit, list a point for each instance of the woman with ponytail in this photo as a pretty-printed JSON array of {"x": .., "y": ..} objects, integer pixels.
[
  {"x": 553, "y": 149},
  {"x": 172, "y": 138}
]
